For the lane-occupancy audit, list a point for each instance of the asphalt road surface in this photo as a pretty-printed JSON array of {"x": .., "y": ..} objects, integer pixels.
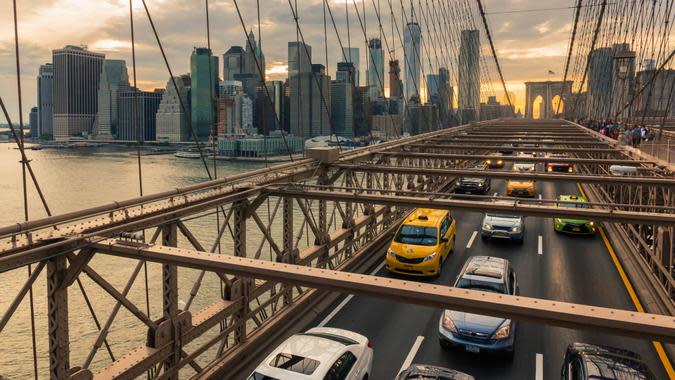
[{"x": 566, "y": 268}]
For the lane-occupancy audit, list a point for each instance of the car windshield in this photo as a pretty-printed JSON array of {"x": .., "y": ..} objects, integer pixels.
[
  {"x": 295, "y": 363},
  {"x": 417, "y": 235},
  {"x": 260, "y": 376},
  {"x": 573, "y": 205},
  {"x": 502, "y": 216},
  {"x": 493, "y": 287}
]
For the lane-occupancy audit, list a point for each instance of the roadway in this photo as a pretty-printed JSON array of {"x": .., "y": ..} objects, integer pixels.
[{"x": 564, "y": 268}]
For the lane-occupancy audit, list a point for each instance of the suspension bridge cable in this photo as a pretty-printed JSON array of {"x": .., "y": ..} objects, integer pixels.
[
  {"x": 577, "y": 12},
  {"x": 494, "y": 53}
]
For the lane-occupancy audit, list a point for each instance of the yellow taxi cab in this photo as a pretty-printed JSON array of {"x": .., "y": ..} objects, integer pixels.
[
  {"x": 422, "y": 243},
  {"x": 521, "y": 188}
]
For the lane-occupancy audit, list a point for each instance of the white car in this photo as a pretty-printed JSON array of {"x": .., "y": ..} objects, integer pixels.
[{"x": 320, "y": 353}]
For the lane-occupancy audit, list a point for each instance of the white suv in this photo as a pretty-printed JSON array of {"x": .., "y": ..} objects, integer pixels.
[{"x": 322, "y": 353}]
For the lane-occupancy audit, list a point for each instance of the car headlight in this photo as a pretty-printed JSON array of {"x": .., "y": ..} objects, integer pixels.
[
  {"x": 570, "y": 170},
  {"x": 503, "y": 332},
  {"x": 430, "y": 257},
  {"x": 488, "y": 161},
  {"x": 487, "y": 226},
  {"x": 459, "y": 182},
  {"x": 592, "y": 224},
  {"x": 549, "y": 169},
  {"x": 515, "y": 229},
  {"x": 500, "y": 162},
  {"x": 391, "y": 252},
  {"x": 448, "y": 324}
]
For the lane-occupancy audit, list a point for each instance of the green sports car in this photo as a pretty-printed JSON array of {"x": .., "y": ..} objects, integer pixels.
[{"x": 573, "y": 226}]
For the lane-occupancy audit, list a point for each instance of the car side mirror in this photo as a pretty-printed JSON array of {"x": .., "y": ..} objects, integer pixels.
[{"x": 444, "y": 240}]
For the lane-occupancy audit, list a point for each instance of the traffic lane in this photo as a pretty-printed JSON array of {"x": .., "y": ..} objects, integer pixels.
[
  {"x": 586, "y": 263},
  {"x": 394, "y": 327}
]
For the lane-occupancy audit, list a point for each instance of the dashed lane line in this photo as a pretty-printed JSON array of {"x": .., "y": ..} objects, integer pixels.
[
  {"x": 345, "y": 301},
  {"x": 539, "y": 367},
  {"x": 540, "y": 245},
  {"x": 411, "y": 355},
  {"x": 473, "y": 237}
]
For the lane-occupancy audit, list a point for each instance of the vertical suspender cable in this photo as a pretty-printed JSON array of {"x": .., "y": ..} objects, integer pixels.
[
  {"x": 138, "y": 139},
  {"x": 569, "y": 53},
  {"x": 24, "y": 161}
]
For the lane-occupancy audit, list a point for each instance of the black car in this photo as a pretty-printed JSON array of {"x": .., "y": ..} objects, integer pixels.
[
  {"x": 428, "y": 372},
  {"x": 506, "y": 149},
  {"x": 472, "y": 185},
  {"x": 587, "y": 361}
]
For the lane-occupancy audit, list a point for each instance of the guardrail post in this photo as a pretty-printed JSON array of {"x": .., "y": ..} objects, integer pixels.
[{"x": 57, "y": 312}]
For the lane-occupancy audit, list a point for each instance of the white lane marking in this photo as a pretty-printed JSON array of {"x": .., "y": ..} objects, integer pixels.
[
  {"x": 473, "y": 237},
  {"x": 540, "y": 245},
  {"x": 345, "y": 301},
  {"x": 411, "y": 355},
  {"x": 539, "y": 367},
  {"x": 495, "y": 194},
  {"x": 539, "y": 196}
]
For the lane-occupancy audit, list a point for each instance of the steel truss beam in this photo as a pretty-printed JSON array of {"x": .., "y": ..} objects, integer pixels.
[
  {"x": 563, "y": 148},
  {"x": 481, "y": 157},
  {"x": 555, "y": 313},
  {"x": 507, "y": 174},
  {"x": 595, "y": 214}
]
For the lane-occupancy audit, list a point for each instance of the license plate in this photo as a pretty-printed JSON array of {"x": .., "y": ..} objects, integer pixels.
[
  {"x": 502, "y": 234},
  {"x": 576, "y": 229},
  {"x": 472, "y": 349}
]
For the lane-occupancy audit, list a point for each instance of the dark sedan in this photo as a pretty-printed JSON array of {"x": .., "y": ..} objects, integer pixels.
[
  {"x": 587, "y": 361},
  {"x": 428, "y": 372}
]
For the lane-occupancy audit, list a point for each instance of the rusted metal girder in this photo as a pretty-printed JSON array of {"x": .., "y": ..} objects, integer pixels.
[
  {"x": 595, "y": 214},
  {"x": 555, "y": 313},
  {"x": 481, "y": 157},
  {"x": 509, "y": 174}
]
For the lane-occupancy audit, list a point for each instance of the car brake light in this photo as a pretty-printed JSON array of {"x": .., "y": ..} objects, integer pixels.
[{"x": 370, "y": 345}]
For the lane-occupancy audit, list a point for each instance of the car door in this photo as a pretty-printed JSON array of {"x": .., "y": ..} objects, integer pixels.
[{"x": 445, "y": 240}]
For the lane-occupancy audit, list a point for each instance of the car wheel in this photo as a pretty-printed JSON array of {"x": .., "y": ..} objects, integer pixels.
[
  {"x": 508, "y": 355},
  {"x": 452, "y": 249},
  {"x": 365, "y": 377},
  {"x": 519, "y": 241},
  {"x": 484, "y": 237}
]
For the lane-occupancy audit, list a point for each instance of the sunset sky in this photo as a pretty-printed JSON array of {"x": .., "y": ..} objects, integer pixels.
[{"x": 528, "y": 43}]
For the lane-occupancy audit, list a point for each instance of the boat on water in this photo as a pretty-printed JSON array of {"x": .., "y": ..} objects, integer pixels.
[{"x": 193, "y": 153}]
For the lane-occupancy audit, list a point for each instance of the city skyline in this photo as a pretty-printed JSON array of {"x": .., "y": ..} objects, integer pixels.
[{"x": 109, "y": 34}]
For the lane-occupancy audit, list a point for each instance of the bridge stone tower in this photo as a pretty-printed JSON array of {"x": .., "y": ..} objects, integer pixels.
[{"x": 548, "y": 91}]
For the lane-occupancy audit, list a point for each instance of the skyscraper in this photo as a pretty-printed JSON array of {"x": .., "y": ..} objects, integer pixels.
[
  {"x": 412, "y": 42},
  {"x": 395, "y": 84},
  {"x": 469, "y": 76},
  {"x": 375, "y": 74},
  {"x": 172, "y": 126},
  {"x": 309, "y": 115},
  {"x": 439, "y": 93},
  {"x": 33, "y": 122},
  {"x": 353, "y": 56},
  {"x": 599, "y": 82},
  {"x": 45, "y": 100},
  {"x": 138, "y": 110},
  {"x": 204, "y": 89},
  {"x": 253, "y": 57},
  {"x": 341, "y": 96},
  {"x": 114, "y": 77},
  {"x": 299, "y": 61},
  {"x": 77, "y": 72},
  {"x": 233, "y": 62}
]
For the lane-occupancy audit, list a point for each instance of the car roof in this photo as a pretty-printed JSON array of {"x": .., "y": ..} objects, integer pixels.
[
  {"x": 485, "y": 268},
  {"x": 572, "y": 198},
  {"x": 308, "y": 345},
  {"x": 606, "y": 362},
  {"x": 433, "y": 372},
  {"x": 425, "y": 217}
]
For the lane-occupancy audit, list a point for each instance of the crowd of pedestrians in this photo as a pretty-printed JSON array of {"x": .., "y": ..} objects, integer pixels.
[{"x": 627, "y": 134}]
